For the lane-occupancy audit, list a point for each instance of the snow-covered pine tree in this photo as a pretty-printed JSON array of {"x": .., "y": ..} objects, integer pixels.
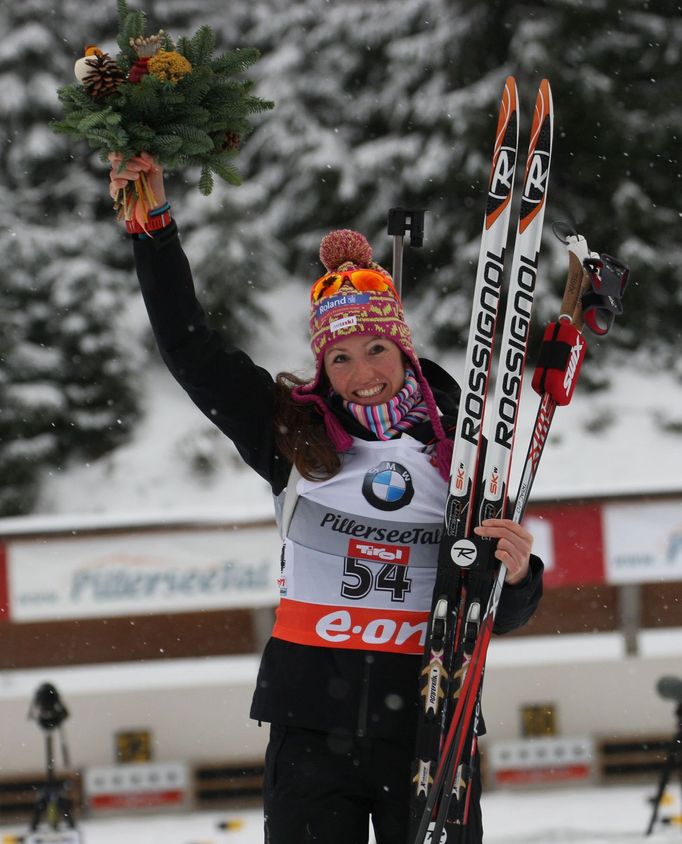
[
  {"x": 25, "y": 441},
  {"x": 71, "y": 361},
  {"x": 67, "y": 370},
  {"x": 616, "y": 74}
]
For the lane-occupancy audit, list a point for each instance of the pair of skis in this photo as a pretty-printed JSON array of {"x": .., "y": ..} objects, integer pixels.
[
  {"x": 466, "y": 594},
  {"x": 469, "y": 580}
]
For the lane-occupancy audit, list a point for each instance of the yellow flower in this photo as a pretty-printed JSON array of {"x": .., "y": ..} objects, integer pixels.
[{"x": 169, "y": 66}]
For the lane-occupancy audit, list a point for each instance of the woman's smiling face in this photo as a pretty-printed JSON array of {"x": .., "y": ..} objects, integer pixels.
[{"x": 365, "y": 369}]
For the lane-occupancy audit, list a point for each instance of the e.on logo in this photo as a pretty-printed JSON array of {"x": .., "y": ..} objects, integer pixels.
[
  {"x": 375, "y": 551},
  {"x": 364, "y": 630}
]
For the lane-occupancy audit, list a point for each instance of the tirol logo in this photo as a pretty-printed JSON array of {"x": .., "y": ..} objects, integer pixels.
[
  {"x": 388, "y": 486},
  {"x": 399, "y": 554}
]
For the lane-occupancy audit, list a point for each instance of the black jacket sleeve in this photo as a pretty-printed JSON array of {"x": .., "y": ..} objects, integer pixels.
[
  {"x": 224, "y": 383},
  {"x": 518, "y": 603}
]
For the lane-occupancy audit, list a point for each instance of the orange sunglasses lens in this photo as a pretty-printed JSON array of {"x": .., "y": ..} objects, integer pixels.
[
  {"x": 328, "y": 285},
  {"x": 362, "y": 281}
]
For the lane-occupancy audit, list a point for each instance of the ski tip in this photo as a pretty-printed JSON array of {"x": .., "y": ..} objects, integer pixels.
[
  {"x": 545, "y": 92},
  {"x": 510, "y": 91},
  {"x": 503, "y": 167},
  {"x": 509, "y": 107},
  {"x": 543, "y": 114},
  {"x": 539, "y": 157}
]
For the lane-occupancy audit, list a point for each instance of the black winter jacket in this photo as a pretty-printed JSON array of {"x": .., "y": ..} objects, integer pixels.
[{"x": 365, "y": 693}]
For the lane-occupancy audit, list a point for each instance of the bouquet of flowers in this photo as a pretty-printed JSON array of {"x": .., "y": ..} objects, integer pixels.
[{"x": 178, "y": 103}]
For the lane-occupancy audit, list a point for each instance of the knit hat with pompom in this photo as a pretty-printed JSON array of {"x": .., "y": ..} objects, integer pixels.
[{"x": 347, "y": 302}]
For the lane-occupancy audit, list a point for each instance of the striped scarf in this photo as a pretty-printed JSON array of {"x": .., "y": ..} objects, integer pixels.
[{"x": 398, "y": 414}]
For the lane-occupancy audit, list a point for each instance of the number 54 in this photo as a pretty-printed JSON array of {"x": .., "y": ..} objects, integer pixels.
[{"x": 389, "y": 578}]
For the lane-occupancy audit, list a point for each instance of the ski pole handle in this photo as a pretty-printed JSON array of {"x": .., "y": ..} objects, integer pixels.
[
  {"x": 578, "y": 319},
  {"x": 401, "y": 221},
  {"x": 398, "y": 242},
  {"x": 577, "y": 252}
]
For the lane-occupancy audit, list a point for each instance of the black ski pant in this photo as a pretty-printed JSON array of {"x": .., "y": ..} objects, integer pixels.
[{"x": 325, "y": 788}]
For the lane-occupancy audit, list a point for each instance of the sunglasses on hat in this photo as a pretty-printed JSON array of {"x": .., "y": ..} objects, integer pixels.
[{"x": 362, "y": 280}]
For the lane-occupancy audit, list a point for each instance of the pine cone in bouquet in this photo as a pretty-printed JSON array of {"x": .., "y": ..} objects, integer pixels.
[
  {"x": 99, "y": 73},
  {"x": 232, "y": 141}
]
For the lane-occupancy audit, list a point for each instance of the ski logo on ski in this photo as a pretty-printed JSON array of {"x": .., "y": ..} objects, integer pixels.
[
  {"x": 504, "y": 157},
  {"x": 463, "y": 553},
  {"x": 456, "y": 511},
  {"x": 494, "y": 481},
  {"x": 503, "y": 174},
  {"x": 423, "y": 778},
  {"x": 433, "y": 689}
]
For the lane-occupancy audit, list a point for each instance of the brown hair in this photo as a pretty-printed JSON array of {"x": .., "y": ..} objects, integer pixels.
[{"x": 300, "y": 433}]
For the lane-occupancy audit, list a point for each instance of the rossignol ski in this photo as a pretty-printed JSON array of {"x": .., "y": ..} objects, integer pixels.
[{"x": 452, "y": 669}]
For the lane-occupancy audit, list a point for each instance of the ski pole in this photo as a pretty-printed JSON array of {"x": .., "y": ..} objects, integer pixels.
[
  {"x": 400, "y": 221},
  {"x": 564, "y": 346}
]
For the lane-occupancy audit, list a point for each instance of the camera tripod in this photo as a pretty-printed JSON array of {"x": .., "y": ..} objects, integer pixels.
[
  {"x": 52, "y": 803},
  {"x": 673, "y": 762}
]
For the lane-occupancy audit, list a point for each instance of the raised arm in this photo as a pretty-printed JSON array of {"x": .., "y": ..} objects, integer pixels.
[{"x": 223, "y": 381}]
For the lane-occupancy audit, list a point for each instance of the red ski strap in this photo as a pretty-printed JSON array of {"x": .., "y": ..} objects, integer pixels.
[{"x": 561, "y": 355}]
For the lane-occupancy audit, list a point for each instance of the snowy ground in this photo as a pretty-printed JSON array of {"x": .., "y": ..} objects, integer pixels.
[{"x": 613, "y": 815}]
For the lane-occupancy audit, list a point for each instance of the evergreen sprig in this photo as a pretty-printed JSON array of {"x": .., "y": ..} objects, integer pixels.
[{"x": 181, "y": 123}]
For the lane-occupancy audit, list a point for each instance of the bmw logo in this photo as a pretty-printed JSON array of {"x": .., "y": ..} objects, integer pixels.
[{"x": 388, "y": 486}]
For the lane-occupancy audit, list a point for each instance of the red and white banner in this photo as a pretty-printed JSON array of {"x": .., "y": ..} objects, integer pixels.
[
  {"x": 139, "y": 785},
  {"x": 541, "y": 760},
  {"x": 616, "y": 543}
]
